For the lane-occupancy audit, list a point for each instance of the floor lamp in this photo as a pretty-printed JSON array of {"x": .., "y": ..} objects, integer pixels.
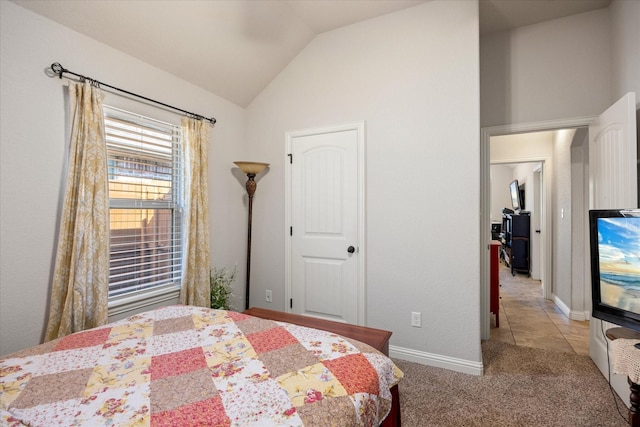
[{"x": 251, "y": 169}]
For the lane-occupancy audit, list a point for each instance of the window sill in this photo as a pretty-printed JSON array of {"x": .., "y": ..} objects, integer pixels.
[{"x": 136, "y": 302}]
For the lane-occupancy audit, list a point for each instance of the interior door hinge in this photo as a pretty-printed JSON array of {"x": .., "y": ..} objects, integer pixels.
[
  {"x": 290, "y": 302},
  {"x": 290, "y": 158}
]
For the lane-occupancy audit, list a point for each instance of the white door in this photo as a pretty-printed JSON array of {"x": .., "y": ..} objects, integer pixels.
[
  {"x": 613, "y": 157},
  {"x": 325, "y": 245},
  {"x": 612, "y": 185}
]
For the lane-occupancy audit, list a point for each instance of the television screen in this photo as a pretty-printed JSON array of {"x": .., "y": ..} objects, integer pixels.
[
  {"x": 615, "y": 266},
  {"x": 515, "y": 195}
]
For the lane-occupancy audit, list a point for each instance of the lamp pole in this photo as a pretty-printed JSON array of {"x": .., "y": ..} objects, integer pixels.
[
  {"x": 251, "y": 189},
  {"x": 251, "y": 169}
]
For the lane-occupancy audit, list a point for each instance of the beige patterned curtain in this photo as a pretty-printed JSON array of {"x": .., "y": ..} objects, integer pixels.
[
  {"x": 81, "y": 277},
  {"x": 195, "y": 281}
]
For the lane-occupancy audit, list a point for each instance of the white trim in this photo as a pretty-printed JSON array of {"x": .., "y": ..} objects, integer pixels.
[
  {"x": 538, "y": 126},
  {"x": 135, "y": 301},
  {"x": 564, "y": 308},
  {"x": 485, "y": 206},
  {"x": 459, "y": 365},
  {"x": 580, "y": 316},
  {"x": 359, "y": 127}
]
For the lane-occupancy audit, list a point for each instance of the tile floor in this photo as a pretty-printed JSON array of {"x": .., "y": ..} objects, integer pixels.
[{"x": 527, "y": 319}]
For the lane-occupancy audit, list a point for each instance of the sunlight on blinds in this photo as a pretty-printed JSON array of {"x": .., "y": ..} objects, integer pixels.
[{"x": 145, "y": 192}]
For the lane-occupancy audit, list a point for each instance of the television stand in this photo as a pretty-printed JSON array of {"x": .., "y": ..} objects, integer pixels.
[
  {"x": 515, "y": 242},
  {"x": 634, "y": 397}
]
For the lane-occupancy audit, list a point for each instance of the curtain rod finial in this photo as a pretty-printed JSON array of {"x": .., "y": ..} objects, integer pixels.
[{"x": 58, "y": 69}]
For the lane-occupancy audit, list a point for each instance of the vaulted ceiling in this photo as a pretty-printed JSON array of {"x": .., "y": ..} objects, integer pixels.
[{"x": 234, "y": 48}]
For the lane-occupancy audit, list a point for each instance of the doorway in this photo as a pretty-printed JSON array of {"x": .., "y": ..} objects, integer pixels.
[
  {"x": 615, "y": 131},
  {"x": 530, "y": 177},
  {"x": 546, "y": 260}
]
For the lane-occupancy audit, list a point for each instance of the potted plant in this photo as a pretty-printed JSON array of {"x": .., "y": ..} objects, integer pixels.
[{"x": 221, "y": 284}]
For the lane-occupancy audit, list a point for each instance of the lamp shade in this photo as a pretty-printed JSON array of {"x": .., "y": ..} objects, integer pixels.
[{"x": 253, "y": 168}]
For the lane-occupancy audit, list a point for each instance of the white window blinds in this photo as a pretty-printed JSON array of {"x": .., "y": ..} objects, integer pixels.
[{"x": 145, "y": 169}]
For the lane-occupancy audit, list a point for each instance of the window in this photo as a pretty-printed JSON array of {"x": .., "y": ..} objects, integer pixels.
[{"x": 145, "y": 167}]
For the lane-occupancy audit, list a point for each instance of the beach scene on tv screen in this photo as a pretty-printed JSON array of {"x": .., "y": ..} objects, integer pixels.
[{"x": 619, "y": 259}]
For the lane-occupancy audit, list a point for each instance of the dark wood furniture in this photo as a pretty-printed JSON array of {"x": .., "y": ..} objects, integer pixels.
[
  {"x": 634, "y": 397},
  {"x": 496, "y": 229},
  {"x": 515, "y": 242},
  {"x": 494, "y": 294},
  {"x": 376, "y": 338}
]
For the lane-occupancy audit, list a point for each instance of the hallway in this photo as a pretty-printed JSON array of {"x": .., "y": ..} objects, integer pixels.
[{"x": 527, "y": 319}]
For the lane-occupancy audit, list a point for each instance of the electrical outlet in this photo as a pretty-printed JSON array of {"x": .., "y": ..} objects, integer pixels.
[
  {"x": 268, "y": 296},
  {"x": 416, "y": 320}
]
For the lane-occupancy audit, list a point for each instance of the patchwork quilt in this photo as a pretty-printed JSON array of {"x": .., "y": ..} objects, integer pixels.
[{"x": 194, "y": 366}]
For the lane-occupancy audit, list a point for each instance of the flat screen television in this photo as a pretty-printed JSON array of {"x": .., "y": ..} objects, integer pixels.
[
  {"x": 615, "y": 266},
  {"x": 516, "y": 200}
]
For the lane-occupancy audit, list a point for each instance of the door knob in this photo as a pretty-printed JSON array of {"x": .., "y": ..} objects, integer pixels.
[{"x": 351, "y": 249}]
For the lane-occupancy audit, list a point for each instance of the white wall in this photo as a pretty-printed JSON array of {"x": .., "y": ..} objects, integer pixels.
[
  {"x": 523, "y": 172},
  {"x": 33, "y": 153},
  {"x": 413, "y": 76},
  {"x": 501, "y": 177},
  {"x": 521, "y": 147},
  {"x": 562, "y": 214},
  {"x": 625, "y": 51},
  {"x": 581, "y": 287},
  {"x": 552, "y": 70}
]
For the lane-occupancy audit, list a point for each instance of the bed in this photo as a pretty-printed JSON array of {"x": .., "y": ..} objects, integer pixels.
[{"x": 187, "y": 366}]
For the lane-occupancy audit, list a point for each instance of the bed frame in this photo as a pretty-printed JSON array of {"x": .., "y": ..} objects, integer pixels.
[{"x": 376, "y": 338}]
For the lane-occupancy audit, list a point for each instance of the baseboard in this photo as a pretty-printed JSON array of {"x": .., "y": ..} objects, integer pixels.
[
  {"x": 561, "y": 305},
  {"x": 571, "y": 314},
  {"x": 581, "y": 316},
  {"x": 436, "y": 360}
]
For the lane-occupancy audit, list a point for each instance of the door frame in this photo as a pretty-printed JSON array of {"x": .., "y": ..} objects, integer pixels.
[
  {"x": 359, "y": 127},
  {"x": 485, "y": 208},
  {"x": 536, "y": 237}
]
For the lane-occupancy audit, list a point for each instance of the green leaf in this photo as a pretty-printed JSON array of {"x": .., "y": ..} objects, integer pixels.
[{"x": 221, "y": 284}]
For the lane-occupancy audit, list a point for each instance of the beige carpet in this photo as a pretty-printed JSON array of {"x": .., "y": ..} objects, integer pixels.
[{"x": 521, "y": 386}]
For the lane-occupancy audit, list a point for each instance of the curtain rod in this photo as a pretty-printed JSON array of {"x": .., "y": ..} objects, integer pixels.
[{"x": 59, "y": 70}]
